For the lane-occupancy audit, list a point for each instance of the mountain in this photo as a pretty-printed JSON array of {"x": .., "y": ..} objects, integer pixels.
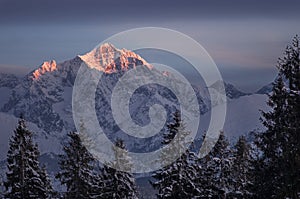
[
  {"x": 265, "y": 89},
  {"x": 231, "y": 91},
  {"x": 44, "y": 97}
]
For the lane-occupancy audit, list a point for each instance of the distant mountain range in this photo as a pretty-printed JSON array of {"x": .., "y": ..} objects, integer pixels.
[{"x": 44, "y": 97}]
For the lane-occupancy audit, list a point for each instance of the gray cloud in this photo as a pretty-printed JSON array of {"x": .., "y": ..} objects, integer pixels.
[{"x": 36, "y": 11}]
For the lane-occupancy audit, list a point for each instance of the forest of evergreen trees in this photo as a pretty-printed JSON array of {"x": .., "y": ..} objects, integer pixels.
[{"x": 267, "y": 166}]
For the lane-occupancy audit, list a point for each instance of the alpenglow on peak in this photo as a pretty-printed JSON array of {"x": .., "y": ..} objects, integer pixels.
[
  {"x": 109, "y": 59},
  {"x": 47, "y": 66}
]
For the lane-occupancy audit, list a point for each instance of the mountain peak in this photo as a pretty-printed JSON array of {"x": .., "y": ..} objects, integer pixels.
[
  {"x": 107, "y": 47},
  {"x": 47, "y": 66},
  {"x": 109, "y": 59}
]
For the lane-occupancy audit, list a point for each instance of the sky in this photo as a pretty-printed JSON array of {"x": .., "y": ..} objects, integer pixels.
[{"x": 244, "y": 37}]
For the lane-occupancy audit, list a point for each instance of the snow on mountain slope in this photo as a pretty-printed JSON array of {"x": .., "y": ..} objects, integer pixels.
[
  {"x": 4, "y": 96},
  {"x": 8, "y": 124},
  {"x": 8, "y": 80},
  {"x": 7, "y": 83},
  {"x": 243, "y": 115}
]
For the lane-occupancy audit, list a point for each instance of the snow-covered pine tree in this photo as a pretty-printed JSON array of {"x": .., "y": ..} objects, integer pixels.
[
  {"x": 290, "y": 68},
  {"x": 77, "y": 170},
  {"x": 242, "y": 179},
  {"x": 268, "y": 173},
  {"x": 1, "y": 186},
  {"x": 47, "y": 183},
  {"x": 24, "y": 176},
  {"x": 176, "y": 180},
  {"x": 119, "y": 184},
  {"x": 203, "y": 180},
  {"x": 205, "y": 174},
  {"x": 219, "y": 169},
  {"x": 280, "y": 159}
]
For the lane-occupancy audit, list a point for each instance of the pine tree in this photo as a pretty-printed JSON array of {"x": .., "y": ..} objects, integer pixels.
[
  {"x": 119, "y": 184},
  {"x": 290, "y": 68},
  {"x": 242, "y": 167},
  {"x": 270, "y": 143},
  {"x": 279, "y": 144},
  {"x": 77, "y": 170},
  {"x": 24, "y": 179},
  {"x": 47, "y": 182},
  {"x": 215, "y": 177},
  {"x": 176, "y": 180},
  {"x": 1, "y": 186},
  {"x": 204, "y": 179},
  {"x": 219, "y": 167}
]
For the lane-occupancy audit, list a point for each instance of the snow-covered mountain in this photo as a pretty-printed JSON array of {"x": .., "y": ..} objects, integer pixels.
[
  {"x": 44, "y": 97},
  {"x": 108, "y": 59},
  {"x": 267, "y": 89}
]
